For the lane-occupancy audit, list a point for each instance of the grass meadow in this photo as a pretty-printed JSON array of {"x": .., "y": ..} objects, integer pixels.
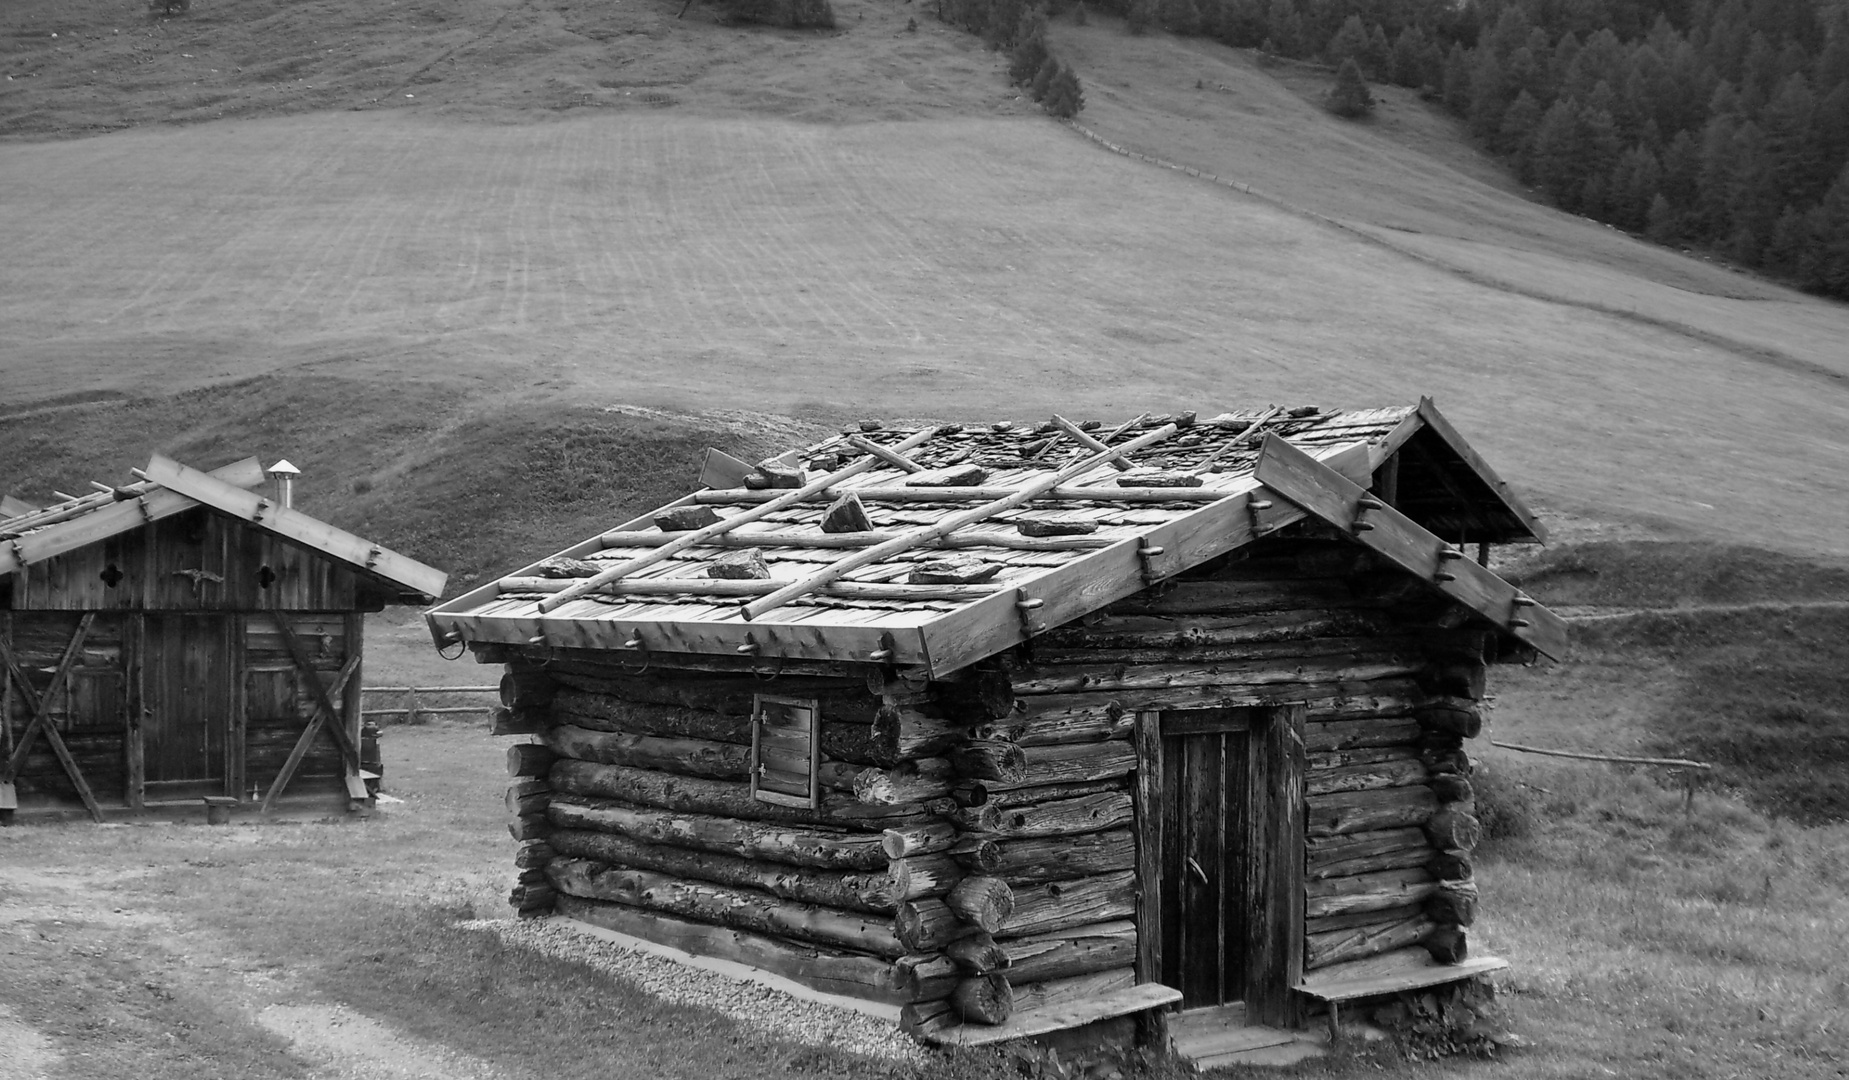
[{"x": 493, "y": 273}]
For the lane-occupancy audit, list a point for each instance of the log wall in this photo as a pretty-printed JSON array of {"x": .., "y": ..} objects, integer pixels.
[{"x": 975, "y": 850}]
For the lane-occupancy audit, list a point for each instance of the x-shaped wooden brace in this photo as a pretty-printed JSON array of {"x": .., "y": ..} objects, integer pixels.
[
  {"x": 324, "y": 711},
  {"x": 41, "y": 714}
]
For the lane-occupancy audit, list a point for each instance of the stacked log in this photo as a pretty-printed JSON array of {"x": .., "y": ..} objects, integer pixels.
[
  {"x": 529, "y": 793},
  {"x": 1446, "y": 721}
]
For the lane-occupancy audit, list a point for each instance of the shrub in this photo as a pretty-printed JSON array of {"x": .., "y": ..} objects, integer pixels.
[
  {"x": 1064, "y": 96},
  {"x": 1350, "y": 97},
  {"x": 170, "y": 7}
]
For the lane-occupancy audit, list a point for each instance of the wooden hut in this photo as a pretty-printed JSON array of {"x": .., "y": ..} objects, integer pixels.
[
  {"x": 1010, "y": 728},
  {"x": 185, "y": 637}
]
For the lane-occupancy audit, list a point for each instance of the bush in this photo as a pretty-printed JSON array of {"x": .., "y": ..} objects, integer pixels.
[
  {"x": 1350, "y": 97},
  {"x": 170, "y": 7}
]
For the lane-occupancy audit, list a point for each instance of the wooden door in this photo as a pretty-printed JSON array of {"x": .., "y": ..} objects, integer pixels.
[
  {"x": 187, "y": 713},
  {"x": 1220, "y": 812},
  {"x": 1204, "y": 922}
]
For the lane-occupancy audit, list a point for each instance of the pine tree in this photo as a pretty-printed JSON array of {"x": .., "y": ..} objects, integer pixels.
[
  {"x": 1285, "y": 28},
  {"x": 1829, "y": 241},
  {"x": 1064, "y": 96},
  {"x": 1030, "y": 49},
  {"x": 1137, "y": 20},
  {"x": 1377, "y": 59},
  {"x": 1408, "y": 68},
  {"x": 1457, "y": 80},
  {"x": 1489, "y": 95},
  {"x": 1348, "y": 43},
  {"x": 1662, "y": 225},
  {"x": 1516, "y": 138},
  {"x": 1079, "y": 17},
  {"x": 1181, "y": 17},
  {"x": 1043, "y": 79},
  {"x": 1557, "y": 154},
  {"x": 1350, "y": 96}
]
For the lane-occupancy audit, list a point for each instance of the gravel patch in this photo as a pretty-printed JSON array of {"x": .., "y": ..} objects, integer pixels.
[{"x": 764, "y": 1008}]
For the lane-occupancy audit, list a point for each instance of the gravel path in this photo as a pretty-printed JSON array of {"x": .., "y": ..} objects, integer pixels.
[{"x": 767, "y": 1009}]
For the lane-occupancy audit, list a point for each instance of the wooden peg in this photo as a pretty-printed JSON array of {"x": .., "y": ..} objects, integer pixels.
[{"x": 1368, "y": 502}]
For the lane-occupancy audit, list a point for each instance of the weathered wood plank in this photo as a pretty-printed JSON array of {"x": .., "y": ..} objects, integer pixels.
[{"x": 295, "y": 525}]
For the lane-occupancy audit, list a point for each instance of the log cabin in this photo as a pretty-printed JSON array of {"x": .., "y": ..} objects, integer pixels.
[
  {"x": 184, "y": 638},
  {"x": 1004, "y": 729}
]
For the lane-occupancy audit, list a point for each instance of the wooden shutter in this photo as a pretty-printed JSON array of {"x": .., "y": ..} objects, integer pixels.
[{"x": 786, "y": 751}]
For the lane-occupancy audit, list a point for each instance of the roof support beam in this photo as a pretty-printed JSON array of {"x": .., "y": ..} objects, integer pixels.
[{"x": 1341, "y": 502}]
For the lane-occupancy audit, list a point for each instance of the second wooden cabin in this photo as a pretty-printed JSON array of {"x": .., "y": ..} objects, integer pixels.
[
  {"x": 184, "y": 637},
  {"x": 1008, "y": 728}
]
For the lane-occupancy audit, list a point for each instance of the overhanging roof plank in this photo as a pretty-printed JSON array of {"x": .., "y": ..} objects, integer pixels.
[
  {"x": 1504, "y": 493},
  {"x": 765, "y": 642},
  {"x": 1082, "y": 586},
  {"x": 1337, "y": 499},
  {"x": 294, "y": 525},
  {"x": 115, "y": 518}
]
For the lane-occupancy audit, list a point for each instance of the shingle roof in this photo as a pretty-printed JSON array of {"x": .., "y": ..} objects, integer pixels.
[
  {"x": 1113, "y": 532},
  {"x": 169, "y": 488}
]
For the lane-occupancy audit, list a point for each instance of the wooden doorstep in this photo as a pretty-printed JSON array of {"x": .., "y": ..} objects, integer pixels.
[
  {"x": 1032, "y": 1022},
  {"x": 1411, "y": 968}
]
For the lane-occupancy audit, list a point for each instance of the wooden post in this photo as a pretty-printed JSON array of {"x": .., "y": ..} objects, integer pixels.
[
  {"x": 236, "y": 758},
  {"x": 1148, "y": 737},
  {"x": 1273, "y": 886},
  {"x": 6, "y": 688},
  {"x": 134, "y": 660},
  {"x": 353, "y": 703}
]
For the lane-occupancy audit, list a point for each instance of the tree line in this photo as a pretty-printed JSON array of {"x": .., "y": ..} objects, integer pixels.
[{"x": 1716, "y": 123}]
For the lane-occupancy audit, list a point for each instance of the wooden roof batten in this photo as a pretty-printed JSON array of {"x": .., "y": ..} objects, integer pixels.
[
  {"x": 925, "y": 533},
  {"x": 858, "y": 612}
]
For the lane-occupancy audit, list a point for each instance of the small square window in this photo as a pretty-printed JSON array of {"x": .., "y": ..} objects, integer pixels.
[{"x": 786, "y": 751}]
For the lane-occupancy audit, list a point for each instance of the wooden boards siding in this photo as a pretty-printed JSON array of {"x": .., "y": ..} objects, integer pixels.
[{"x": 197, "y": 560}]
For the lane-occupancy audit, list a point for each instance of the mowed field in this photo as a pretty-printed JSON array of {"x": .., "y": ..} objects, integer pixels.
[
  {"x": 696, "y": 254},
  {"x": 969, "y": 267}
]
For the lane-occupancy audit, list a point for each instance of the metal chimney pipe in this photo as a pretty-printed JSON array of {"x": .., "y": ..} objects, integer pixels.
[{"x": 284, "y": 475}]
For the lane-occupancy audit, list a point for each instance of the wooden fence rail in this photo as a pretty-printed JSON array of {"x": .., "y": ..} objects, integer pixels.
[{"x": 414, "y": 708}]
